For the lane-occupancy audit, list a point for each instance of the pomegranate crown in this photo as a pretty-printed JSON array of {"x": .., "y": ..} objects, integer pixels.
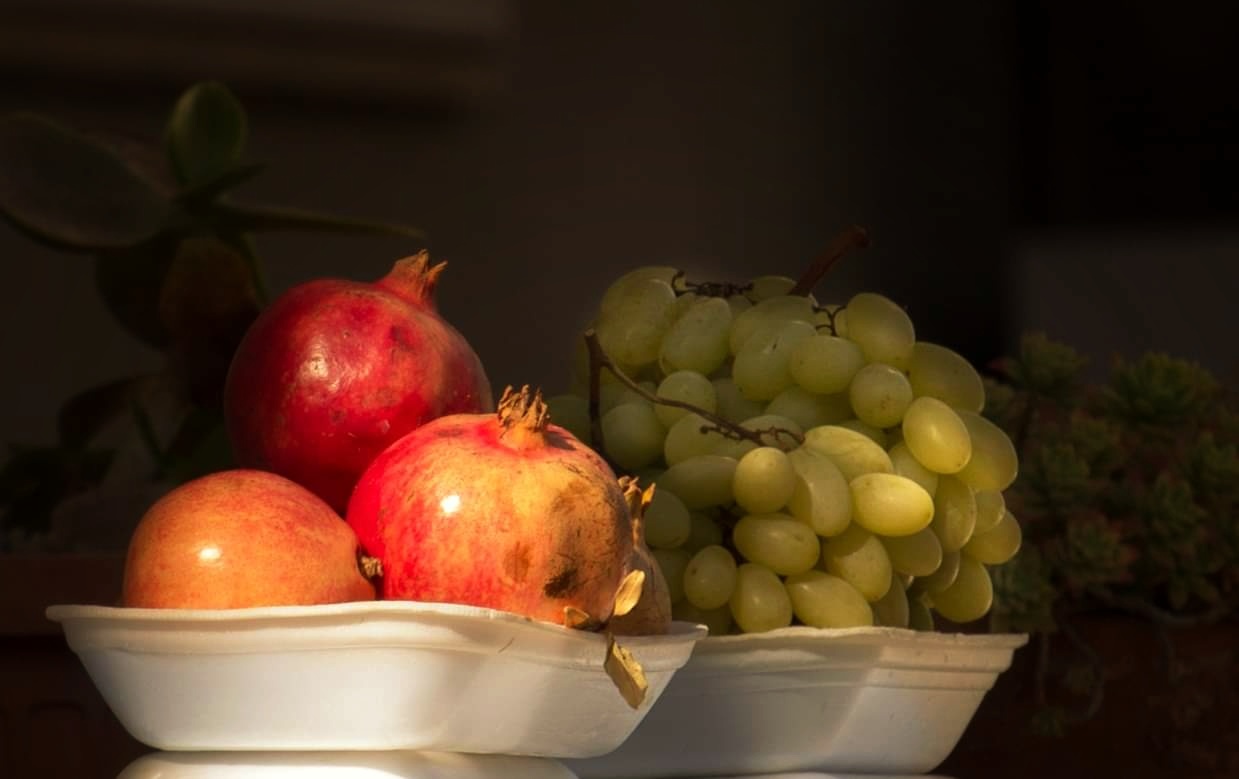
[
  {"x": 414, "y": 279},
  {"x": 523, "y": 408}
]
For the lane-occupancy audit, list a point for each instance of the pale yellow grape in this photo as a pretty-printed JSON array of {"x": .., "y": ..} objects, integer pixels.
[
  {"x": 764, "y": 480},
  {"x": 778, "y": 541},
  {"x": 938, "y": 372},
  {"x": 686, "y": 387},
  {"x": 942, "y": 578},
  {"x": 998, "y": 544},
  {"x": 807, "y": 409},
  {"x": 824, "y": 316},
  {"x": 633, "y": 435},
  {"x": 841, "y": 322},
  {"x": 918, "y": 554},
  {"x": 774, "y": 430},
  {"x": 698, "y": 339},
  {"x": 760, "y": 367},
  {"x": 666, "y": 520},
  {"x": 936, "y": 436},
  {"x": 684, "y": 301},
  {"x": 858, "y": 557},
  {"x": 579, "y": 379},
  {"x": 771, "y": 286},
  {"x": 955, "y": 513},
  {"x": 691, "y": 436},
  {"x": 891, "y": 609},
  {"x": 994, "y": 464},
  {"x": 738, "y": 304},
  {"x": 890, "y": 504},
  {"x": 821, "y": 498},
  {"x": 881, "y": 328},
  {"x": 855, "y": 453},
  {"x": 733, "y": 406},
  {"x": 991, "y": 505},
  {"x": 672, "y": 563},
  {"x": 570, "y": 412},
  {"x": 633, "y": 329},
  {"x": 621, "y": 288},
  {"x": 880, "y": 394},
  {"x": 700, "y": 482},
  {"x": 767, "y": 315},
  {"x": 710, "y": 577},
  {"x": 825, "y": 364},
  {"x": 919, "y": 615},
  {"x": 907, "y": 465},
  {"x": 875, "y": 434},
  {"x": 823, "y": 600},
  {"x": 717, "y": 621},
  {"x": 703, "y": 531},
  {"x": 759, "y": 601},
  {"x": 967, "y": 598}
]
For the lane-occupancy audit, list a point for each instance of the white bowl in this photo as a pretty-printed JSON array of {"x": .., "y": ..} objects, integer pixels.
[
  {"x": 863, "y": 700},
  {"x": 389, "y": 764},
  {"x": 364, "y": 676}
]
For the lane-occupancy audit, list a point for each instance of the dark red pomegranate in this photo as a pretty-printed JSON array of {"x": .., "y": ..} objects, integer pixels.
[{"x": 334, "y": 371}]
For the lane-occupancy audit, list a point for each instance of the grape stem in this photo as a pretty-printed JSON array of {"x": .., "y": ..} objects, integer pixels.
[
  {"x": 598, "y": 359},
  {"x": 855, "y": 237}
]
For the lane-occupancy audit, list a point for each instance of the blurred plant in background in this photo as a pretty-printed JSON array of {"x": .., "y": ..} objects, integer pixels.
[{"x": 174, "y": 263}]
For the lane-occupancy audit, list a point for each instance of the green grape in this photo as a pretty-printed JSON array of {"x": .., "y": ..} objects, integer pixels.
[
  {"x": 936, "y": 436},
  {"x": 821, "y": 498},
  {"x": 994, "y": 463},
  {"x": 907, "y": 465},
  {"x": 733, "y": 406},
  {"x": 779, "y": 542},
  {"x": 698, "y": 340},
  {"x": 998, "y": 544},
  {"x": 633, "y": 329},
  {"x": 938, "y": 372},
  {"x": 875, "y": 434},
  {"x": 823, "y": 600},
  {"x": 774, "y": 430},
  {"x": 666, "y": 520},
  {"x": 717, "y": 621},
  {"x": 764, "y": 480},
  {"x": 760, "y": 368},
  {"x": 918, "y": 554},
  {"x": 825, "y": 364},
  {"x": 672, "y": 563},
  {"x": 686, "y": 439},
  {"x": 880, "y": 395},
  {"x": 855, "y": 453},
  {"x": 616, "y": 295},
  {"x": 841, "y": 322},
  {"x": 759, "y": 602},
  {"x": 579, "y": 379},
  {"x": 809, "y": 410},
  {"x": 955, "y": 513},
  {"x": 710, "y": 578},
  {"x": 967, "y": 598},
  {"x": 942, "y": 578},
  {"x": 890, "y": 504},
  {"x": 612, "y": 395},
  {"x": 633, "y": 435},
  {"x": 686, "y": 387},
  {"x": 767, "y": 315},
  {"x": 684, "y": 301},
  {"x": 571, "y": 412},
  {"x": 891, "y": 609},
  {"x": 700, "y": 482},
  {"x": 881, "y": 328},
  {"x": 824, "y": 316},
  {"x": 703, "y": 531},
  {"x": 738, "y": 304},
  {"x": 991, "y": 505},
  {"x": 858, "y": 557},
  {"x": 919, "y": 616},
  {"x": 767, "y": 287}
]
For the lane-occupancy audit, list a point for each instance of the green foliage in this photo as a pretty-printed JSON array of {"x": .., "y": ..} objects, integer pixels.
[{"x": 174, "y": 266}]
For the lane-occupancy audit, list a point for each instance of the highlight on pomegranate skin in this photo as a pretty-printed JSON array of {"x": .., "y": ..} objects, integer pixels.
[
  {"x": 503, "y": 510},
  {"x": 334, "y": 371}
]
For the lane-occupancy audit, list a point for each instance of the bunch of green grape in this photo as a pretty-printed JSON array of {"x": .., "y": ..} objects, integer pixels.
[{"x": 853, "y": 480}]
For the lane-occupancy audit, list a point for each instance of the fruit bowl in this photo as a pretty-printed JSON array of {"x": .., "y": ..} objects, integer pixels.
[
  {"x": 799, "y": 699},
  {"x": 364, "y": 676}
]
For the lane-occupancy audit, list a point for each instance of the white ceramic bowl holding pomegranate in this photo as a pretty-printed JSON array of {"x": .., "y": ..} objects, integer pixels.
[
  {"x": 869, "y": 700},
  {"x": 376, "y": 675}
]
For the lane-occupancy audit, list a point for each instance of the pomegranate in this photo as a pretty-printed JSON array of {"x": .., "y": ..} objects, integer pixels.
[
  {"x": 502, "y": 510},
  {"x": 651, "y": 615},
  {"x": 334, "y": 371},
  {"x": 240, "y": 538}
]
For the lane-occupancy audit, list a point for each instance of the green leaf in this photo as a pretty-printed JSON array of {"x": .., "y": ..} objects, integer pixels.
[
  {"x": 229, "y": 179},
  {"x": 70, "y": 191},
  {"x": 130, "y": 282},
  {"x": 205, "y": 134},
  {"x": 246, "y": 219}
]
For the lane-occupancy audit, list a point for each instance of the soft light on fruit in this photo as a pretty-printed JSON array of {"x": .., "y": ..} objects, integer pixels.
[
  {"x": 242, "y": 538},
  {"x": 504, "y": 511},
  {"x": 334, "y": 371}
]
